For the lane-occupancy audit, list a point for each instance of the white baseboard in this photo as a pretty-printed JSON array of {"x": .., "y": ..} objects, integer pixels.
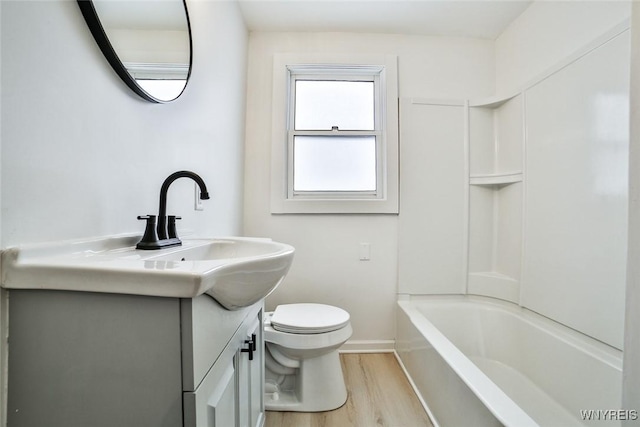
[{"x": 368, "y": 346}]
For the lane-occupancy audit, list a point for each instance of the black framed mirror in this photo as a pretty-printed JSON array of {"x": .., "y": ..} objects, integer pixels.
[{"x": 147, "y": 42}]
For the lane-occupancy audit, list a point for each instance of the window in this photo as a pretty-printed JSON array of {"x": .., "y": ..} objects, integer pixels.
[
  {"x": 335, "y": 137},
  {"x": 164, "y": 81}
]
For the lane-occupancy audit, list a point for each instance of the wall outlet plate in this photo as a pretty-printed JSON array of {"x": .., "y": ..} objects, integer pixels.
[
  {"x": 197, "y": 204},
  {"x": 365, "y": 251}
]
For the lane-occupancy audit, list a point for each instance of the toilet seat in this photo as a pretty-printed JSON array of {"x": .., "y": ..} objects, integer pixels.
[{"x": 308, "y": 318}]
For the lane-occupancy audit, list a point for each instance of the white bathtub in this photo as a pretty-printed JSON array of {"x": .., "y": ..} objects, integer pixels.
[{"x": 483, "y": 362}]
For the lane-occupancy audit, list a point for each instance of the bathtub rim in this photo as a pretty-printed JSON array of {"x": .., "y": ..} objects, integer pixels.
[
  {"x": 497, "y": 401},
  {"x": 602, "y": 351}
]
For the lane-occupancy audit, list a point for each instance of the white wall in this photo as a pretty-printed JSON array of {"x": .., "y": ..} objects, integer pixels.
[
  {"x": 631, "y": 374},
  {"x": 82, "y": 155},
  {"x": 546, "y": 33},
  {"x": 326, "y": 268}
]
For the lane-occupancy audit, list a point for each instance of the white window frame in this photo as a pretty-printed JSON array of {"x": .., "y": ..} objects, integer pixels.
[
  {"x": 382, "y": 69},
  {"x": 157, "y": 71}
]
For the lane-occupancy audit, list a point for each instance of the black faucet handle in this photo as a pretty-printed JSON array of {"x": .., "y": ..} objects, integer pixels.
[
  {"x": 171, "y": 226},
  {"x": 150, "y": 233}
]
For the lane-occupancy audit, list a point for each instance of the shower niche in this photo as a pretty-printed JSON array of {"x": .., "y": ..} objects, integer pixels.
[{"x": 496, "y": 140}]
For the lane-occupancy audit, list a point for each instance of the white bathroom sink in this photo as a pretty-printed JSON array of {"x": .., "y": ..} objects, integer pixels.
[{"x": 236, "y": 271}]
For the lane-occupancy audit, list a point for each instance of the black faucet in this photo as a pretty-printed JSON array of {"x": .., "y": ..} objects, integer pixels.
[{"x": 158, "y": 234}]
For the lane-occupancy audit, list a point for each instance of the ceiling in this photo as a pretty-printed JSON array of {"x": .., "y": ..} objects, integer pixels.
[{"x": 457, "y": 18}]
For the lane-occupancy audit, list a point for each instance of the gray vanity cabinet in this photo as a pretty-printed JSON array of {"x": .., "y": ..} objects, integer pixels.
[
  {"x": 82, "y": 359},
  {"x": 237, "y": 376}
]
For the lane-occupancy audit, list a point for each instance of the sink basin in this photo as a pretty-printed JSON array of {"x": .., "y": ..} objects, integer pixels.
[{"x": 235, "y": 271}]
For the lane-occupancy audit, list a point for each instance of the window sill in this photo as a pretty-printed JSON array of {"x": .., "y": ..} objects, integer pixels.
[{"x": 324, "y": 206}]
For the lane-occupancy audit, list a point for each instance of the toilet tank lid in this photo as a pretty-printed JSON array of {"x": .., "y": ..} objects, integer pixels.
[{"x": 308, "y": 318}]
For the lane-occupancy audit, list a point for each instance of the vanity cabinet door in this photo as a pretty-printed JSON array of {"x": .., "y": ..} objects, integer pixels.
[
  {"x": 207, "y": 329},
  {"x": 230, "y": 395},
  {"x": 250, "y": 376},
  {"x": 244, "y": 390},
  {"x": 221, "y": 405},
  {"x": 213, "y": 404},
  {"x": 256, "y": 377}
]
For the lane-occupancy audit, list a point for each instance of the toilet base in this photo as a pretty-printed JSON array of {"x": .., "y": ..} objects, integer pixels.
[{"x": 318, "y": 386}]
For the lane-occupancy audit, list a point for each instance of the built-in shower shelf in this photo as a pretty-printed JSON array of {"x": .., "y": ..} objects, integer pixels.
[
  {"x": 496, "y": 154},
  {"x": 495, "y": 178},
  {"x": 494, "y": 284}
]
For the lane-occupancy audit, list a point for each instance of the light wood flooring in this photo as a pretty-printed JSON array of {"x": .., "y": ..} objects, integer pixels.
[{"x": 379, "y": 395}]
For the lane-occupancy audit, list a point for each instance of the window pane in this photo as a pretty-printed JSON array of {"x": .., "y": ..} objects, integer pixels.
[
  {"x": 334, "y": 163},
  {"x": 321, "y": 105},
  {"x": 164, "y": 90}
]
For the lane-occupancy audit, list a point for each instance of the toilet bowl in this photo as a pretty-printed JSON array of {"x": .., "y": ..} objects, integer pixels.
[{"x": 302, "y": 365}]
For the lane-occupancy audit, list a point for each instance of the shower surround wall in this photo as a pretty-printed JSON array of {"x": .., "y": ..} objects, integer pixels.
[
  {"x": 577, "y": 152},
  {"x": 543, "y": 191},
  {"x": 631, "y": 379}
]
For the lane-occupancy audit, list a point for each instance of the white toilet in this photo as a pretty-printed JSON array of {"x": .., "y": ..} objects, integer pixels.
[{"x": 303, "y": 371}]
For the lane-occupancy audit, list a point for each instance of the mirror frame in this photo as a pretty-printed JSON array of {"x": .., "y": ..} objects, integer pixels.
[{"x": 97, "y": 30}]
